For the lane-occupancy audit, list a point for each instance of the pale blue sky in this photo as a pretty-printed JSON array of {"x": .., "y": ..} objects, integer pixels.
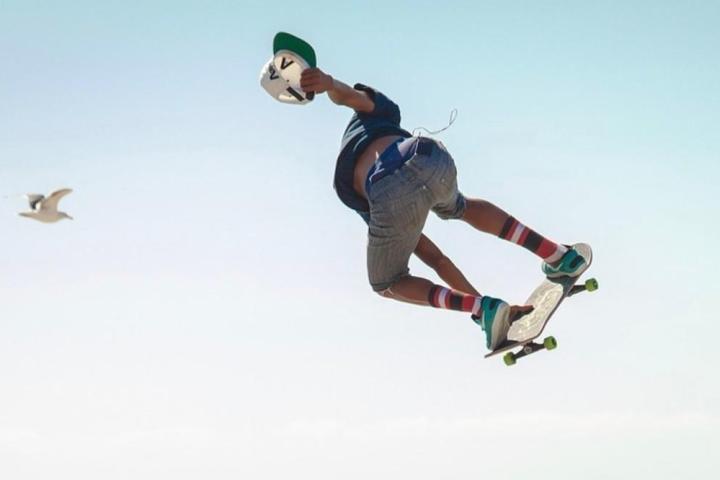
[{"x": 207, "y": 314}]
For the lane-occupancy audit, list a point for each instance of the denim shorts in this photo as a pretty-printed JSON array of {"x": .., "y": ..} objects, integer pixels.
[{"x": 399, "y": 206}]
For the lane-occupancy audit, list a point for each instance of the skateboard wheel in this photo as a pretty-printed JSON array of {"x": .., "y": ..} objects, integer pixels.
[
  {"x": 591, "y": 284},
  {"x": 550, "y": 343},
  {"x": 509, "y": 359}
]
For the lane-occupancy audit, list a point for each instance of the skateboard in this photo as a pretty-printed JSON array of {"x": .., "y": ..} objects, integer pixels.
[{"x": 546, "y": 298}]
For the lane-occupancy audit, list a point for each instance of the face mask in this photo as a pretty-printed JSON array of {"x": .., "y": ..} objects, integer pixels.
[{"x": 280, "y": 77}]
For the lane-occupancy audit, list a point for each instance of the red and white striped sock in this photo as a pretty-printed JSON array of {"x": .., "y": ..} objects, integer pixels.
[
  {"x": 518, "y": 233},
  {"x": 441, "y": 297}
]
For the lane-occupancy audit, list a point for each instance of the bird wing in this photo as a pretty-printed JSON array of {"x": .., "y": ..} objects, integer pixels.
[
  {"x": 51, "y": 202},
  {"x": 34, "y": 199}
]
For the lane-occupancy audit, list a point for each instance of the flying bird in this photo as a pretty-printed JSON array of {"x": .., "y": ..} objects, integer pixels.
[{"x": 45, "y": 209}]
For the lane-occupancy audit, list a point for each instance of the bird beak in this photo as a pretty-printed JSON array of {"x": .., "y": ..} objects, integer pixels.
[{"x": 70, "y": 218}]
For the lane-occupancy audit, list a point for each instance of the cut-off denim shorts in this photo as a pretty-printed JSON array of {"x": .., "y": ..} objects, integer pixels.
[{"x": 399, "y": 205}]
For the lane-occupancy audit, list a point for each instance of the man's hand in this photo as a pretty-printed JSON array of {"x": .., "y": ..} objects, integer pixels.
[
  {"x": 519, "y": 311},
  {"x": 315, "y": 80}
]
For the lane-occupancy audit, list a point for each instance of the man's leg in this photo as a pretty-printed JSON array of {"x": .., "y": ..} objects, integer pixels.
[
  {"x": 488, "y": 218},
  {"x": 395, "y": 227},
  {"x": 393, "y": 235},
  {"x": 492, "y": 314},
  {"x": 420, "y": 291}
]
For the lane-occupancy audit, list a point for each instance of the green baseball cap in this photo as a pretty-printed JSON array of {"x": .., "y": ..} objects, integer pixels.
[{"x": 285, "y": 41}]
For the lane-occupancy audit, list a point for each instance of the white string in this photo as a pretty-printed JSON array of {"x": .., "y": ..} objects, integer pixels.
[{"x": 453, "y": 117}]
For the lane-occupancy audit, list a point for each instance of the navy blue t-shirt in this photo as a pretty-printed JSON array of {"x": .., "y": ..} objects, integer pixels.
[{"x": 364, "y": 128}]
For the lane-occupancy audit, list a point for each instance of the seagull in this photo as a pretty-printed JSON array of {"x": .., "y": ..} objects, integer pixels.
[{"x": 44, "y": 209}]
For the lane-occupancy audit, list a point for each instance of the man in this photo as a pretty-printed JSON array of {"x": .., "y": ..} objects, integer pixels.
[{"x": 393, "y": 180}]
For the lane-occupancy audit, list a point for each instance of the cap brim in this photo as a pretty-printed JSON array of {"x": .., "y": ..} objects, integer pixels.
[{"x": 285, "y": 41}]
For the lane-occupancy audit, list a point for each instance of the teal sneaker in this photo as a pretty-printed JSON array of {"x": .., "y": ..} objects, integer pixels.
[
  {"x": 572, "y": 264},
  {"x": 495, "y": 321}
]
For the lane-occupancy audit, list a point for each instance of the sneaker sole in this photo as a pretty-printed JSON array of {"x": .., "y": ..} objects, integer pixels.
[
  {"x": 576, "y": 273},
  {"x": 500, "y": 323}
]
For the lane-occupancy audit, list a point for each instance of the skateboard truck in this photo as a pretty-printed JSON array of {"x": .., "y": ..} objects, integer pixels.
[
  {"x": 590, "y": 285},
  {"x": 549, "y": 343}
]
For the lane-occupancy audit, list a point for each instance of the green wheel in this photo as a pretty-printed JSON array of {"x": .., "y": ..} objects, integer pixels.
[
  {"x": 591, "y": 284},
  {"x": 550, "y": 343},
  {"x": 509, "y": 359}
]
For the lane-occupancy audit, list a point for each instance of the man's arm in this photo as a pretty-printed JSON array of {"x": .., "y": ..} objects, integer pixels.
[
  {"x": 431, "y": 255},
  {"x": 315, "y": 80}
]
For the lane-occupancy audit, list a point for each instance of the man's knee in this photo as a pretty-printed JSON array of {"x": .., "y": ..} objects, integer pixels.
[
  {"x": 387, "y": 293},
  {"x": 384, "y": 289}
]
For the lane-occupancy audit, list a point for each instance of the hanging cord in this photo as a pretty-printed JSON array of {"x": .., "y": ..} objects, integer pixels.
[{"x": 453, "y": 117}]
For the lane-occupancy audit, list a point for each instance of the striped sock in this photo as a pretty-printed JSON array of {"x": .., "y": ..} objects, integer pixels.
[
  {"x": 518, "y": 233},
  {"x": 441, "y": 297}
]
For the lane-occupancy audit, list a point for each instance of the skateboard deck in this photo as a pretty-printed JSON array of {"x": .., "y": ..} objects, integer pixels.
[{"x": 546, "y": 298}]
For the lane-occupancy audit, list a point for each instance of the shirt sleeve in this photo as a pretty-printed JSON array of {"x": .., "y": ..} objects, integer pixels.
[{"x": 384, "y": 107}]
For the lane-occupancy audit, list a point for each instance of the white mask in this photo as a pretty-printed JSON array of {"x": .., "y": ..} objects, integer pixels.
[{"x": 280, "y": 77}]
